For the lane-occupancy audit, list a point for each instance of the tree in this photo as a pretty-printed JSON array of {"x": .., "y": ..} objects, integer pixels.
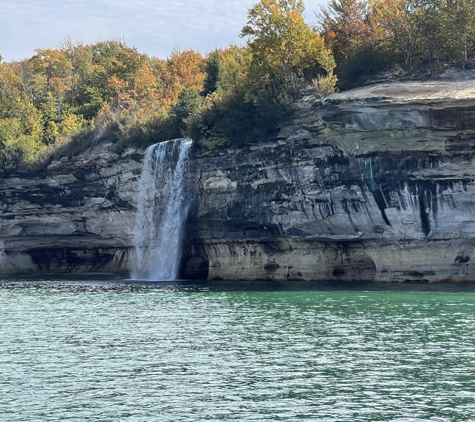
[
  {"x": 325, "y": 84},
  {"x": 183, "y": 69},
  {"x": 20, "y": 130},
  {"x": 57, "y": 68},
  {"x": 357, "y": 42},
  {"x": 280, "y": 40},
  {"x": 213, "y": 71},
  {"x": 460, "y": 27},
  {"x": 188, "y": 103},
  {"x": 9, "y": 79},
  {"x": 345, "y": 26},
  {"x": 405, "y": 21}
]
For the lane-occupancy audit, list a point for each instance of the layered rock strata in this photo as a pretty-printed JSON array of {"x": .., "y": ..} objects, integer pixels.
[
  {"x": 376, "y": 185},
  {"x": 77, "y": 216},
  {"x": 368, "y": 187}
]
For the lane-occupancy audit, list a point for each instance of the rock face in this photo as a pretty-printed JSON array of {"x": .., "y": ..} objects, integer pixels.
[
  {"x": 376, "y": 185},
  {"x": 365, "y": 188},
  {"x": 77, "y": 216}
]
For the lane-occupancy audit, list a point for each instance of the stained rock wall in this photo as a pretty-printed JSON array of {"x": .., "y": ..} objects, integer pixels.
[
  {"x": 77, "y": 216},
  {"x": 375, "y": 185},
  {"x": 376, "y": 189}
]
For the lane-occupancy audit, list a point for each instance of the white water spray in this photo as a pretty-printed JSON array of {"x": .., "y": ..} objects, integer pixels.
[{"x": 161, "y": 211}]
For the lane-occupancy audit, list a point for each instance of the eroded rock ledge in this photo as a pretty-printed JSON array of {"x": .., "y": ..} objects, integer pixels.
[
  {"x": 376, "y": 185},
  {"x": 77, "y": 216}
]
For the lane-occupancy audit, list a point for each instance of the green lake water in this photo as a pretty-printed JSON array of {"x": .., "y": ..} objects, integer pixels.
[{"x": 85, "y": 351}]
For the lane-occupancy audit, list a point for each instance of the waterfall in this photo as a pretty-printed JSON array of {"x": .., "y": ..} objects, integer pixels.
[{"x": 161, "y": 211}]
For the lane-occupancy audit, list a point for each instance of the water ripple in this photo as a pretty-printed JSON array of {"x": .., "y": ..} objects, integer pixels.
[{"x": 176, "y": 355}]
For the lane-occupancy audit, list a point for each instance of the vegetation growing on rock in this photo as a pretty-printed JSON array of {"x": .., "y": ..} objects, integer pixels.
[
  {"x": 59, "y": 100},
  {"x": 369, "y": 36},
  {"x": 52, "y": 102}
]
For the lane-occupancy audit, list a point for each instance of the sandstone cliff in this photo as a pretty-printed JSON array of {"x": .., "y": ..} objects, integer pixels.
[
  {"x": 376, "y": 185},
  {"x": 76, "y": 216}
]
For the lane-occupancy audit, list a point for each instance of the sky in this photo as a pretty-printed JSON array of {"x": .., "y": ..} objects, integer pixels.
[{"x": 154, "y": 27}]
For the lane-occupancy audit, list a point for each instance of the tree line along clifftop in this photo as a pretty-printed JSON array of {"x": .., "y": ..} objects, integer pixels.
[{"x": 56, "y": 102}]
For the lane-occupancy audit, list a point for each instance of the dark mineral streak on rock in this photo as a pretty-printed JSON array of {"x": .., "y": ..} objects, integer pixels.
[
  {"x": 358, "y": 190},
  {"x": 77, "y": 216},
  {"x": 376, "y": 188}
]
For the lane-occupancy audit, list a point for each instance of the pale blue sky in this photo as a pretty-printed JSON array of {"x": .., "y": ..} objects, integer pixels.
[{"x": 155, "y": 27}]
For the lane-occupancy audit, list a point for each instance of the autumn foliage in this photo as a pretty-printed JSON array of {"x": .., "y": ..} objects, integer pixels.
[
  {"x": 60, "y": 99},
  {"x": 58, "y": 92},
  {"x": 417, "y": 36}
]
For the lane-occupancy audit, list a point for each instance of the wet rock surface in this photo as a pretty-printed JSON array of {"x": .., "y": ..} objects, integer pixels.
[
  {"x": 377, "y": 185},
  {"x": 364, "y": 188},
  {"x": 76, "y": 216}
]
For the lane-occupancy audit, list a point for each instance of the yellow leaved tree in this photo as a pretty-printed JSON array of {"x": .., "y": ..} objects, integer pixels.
[{"x": 282, "y": 42}]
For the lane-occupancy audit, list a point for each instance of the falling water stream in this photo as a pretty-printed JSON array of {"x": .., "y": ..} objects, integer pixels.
[{"x": 161, "y": 211}]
